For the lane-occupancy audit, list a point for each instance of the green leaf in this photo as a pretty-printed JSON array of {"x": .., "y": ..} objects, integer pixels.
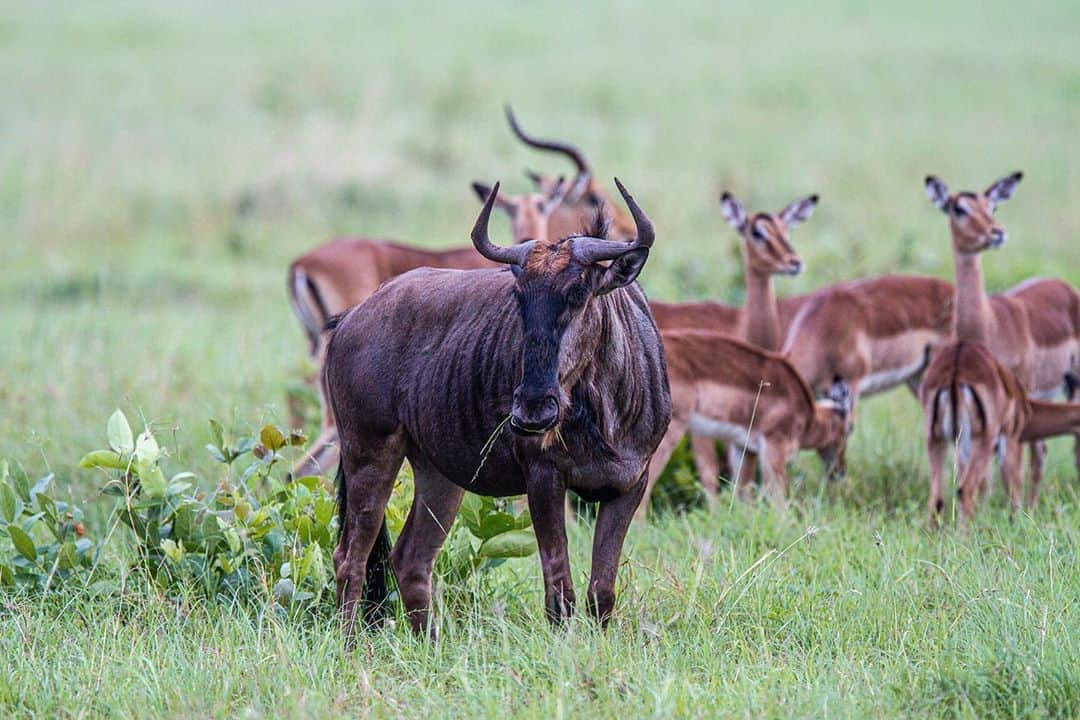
[
  {"x": 215, "y": 452},
  {"x": 516, "y": 543},
  {"x": 7, "y": 576},
  {"x": 153, "y": 483},
  {"x": 41, "y": 486},
  {"x": 19, "y": 482},
  {"x": 67, "y": 557},
  {"x": 272, "y": 438},
  {"x": 495, "y": 523},
  {"x": 147, "y": 451},
  {"x": 22, "y": 542},
  {"x": 102, "y": 459},
  {"x": 217, "y": 433},
  {"x": 471, "y": 512},
  {"x": 523, "y": 520},
  {"x": 119, "y": 433},
  {"x": 9, "y": 509}
]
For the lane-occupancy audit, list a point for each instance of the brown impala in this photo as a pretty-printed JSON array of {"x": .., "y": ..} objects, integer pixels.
[{"x": 560, "y": 346}]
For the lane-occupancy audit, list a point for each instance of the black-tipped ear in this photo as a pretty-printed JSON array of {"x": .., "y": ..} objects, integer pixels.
[
  {"x": 622, "y": 271},
  {"x": 482, "y": 190},
  {"x": 535, "y": 178},
  {"x": 799, "y": 211},
  {"x": 733, "y": 211},
  {"x": 1004, "y": 188},
  {"x": 938, "y": 192}
]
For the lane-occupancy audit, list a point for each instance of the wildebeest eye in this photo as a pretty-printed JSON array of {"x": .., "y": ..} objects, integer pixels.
[{"x": 577, "y": 295}]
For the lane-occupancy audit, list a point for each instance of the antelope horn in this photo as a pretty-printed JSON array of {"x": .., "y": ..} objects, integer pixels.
[
  {"x": 563, "y": 148},
  {"x": 514, "y": 255},
  {"x": 591, "y": 249}
]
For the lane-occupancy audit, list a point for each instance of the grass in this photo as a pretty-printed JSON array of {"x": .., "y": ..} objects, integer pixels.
[{"x": 162, "y": 164}]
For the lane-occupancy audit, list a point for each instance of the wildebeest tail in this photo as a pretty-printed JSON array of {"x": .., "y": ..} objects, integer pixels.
[
  {"x": 376, "y": 584},
  {"x": 307, "y": 303}
]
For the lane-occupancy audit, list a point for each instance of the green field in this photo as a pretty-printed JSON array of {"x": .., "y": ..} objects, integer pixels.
[{"x": 162, "y": 163}]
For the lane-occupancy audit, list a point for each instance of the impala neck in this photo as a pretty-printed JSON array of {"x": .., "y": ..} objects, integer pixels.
[
  {"x": 972, "y": 318},
  {"x": 761, "y": 316}
]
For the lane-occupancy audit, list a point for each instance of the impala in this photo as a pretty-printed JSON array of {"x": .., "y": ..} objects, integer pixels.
[
  {"x": 766, "y": 252},
  {"x": 1034, "y": 328},
  {"x": 343, "y": 273},
  {"x": 751, "y": 398},
  {"x": 436, "y": 363}
]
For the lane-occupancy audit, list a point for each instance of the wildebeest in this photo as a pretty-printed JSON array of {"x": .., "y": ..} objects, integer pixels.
[{"x": 561, "y": 344}]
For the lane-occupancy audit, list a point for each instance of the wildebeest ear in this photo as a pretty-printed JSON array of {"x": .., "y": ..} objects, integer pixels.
[
  {"x": 1003, "y": 189},
  {"x": 733, "y": 211},
  {"x": 482, "y": 191},
  {"x": 622, "y": 271},
  {"x": 799, "y": 211},
  {"x": 938, "y": 192}
]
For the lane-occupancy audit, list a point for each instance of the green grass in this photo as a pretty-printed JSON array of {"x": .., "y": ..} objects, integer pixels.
[{"x": 161, "y": 164}]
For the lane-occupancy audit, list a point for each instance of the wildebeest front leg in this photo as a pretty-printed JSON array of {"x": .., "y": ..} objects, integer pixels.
[
  {"x": 547, "y": 505},
  {"x": 612, "y": 522}
]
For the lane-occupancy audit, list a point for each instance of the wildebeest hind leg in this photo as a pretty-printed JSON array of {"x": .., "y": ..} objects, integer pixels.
[
  {"x": 369, "y": 480},
  {"x": 435, "y": 504},
  {"x": 612, "y": 522}
]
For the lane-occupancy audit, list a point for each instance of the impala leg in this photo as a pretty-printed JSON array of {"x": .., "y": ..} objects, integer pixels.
[
  {"x": 973, "y": 475},
  {"x": 324, "y": 453},
  {"x": 435, "y": 504},
  {"x": 936, "y": 451},
  {"x": 707, "y": 462},
  {"x": 547, "y": 505},
  {"x": 1038, "y": 464},
  {"x": 744, "y": 470},
  {"x": 612, "y": 522},
  {"x": 676, "y": 430},
  {"x": 774, "y": 466},
  {"x": 1012, "y": 473},
  {"x": 369, "y": 480},
  {"x": 1072, "y": 391}
]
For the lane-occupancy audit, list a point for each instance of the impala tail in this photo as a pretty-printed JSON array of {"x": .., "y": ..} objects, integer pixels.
[
  {"x": 307, "y": 303},
  {"x": 1051, "y": 419},
  {"x": 959, "y": 415}
]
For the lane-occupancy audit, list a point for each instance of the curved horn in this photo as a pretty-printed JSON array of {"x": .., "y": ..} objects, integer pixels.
[
  {"x": 563, "y": 148},
  {"x": 514, "y": 255},
  {"x": 590, "y": 249}
]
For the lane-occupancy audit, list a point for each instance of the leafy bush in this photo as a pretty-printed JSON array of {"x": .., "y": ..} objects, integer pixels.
[
  {"x": 255, "y": 537},
  {"x": 42, "y": 540}
]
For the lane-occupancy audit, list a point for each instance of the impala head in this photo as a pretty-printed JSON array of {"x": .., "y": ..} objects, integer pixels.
[
  {"x": 528, "y": 212},
  {"x": 766, "y": 236},
  {"x": 971, "y": 215},
  {"x": 836, "y": 419},
  {"x": 555, "y": 281}
]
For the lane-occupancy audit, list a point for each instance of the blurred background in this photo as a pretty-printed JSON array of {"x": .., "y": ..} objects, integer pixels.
[{"x": 162, "y": 163}]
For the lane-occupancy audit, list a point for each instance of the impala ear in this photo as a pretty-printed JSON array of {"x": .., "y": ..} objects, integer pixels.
[
  {"x": 799, "y": 211},
  {"x": 938, "y": 192},
  {"x": 482, "y": 191},
  {"x": 622, "y": 271},
  {"x": 733, "y": 211},
  {"x": 1003, "y": 189},
  {"x": 535, "y": 178}
]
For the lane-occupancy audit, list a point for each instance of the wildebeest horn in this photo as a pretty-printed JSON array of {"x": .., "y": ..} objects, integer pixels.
[
  {"x": 560, "y": 147},
  {"x": 513, "y": 255},
  {"x": 590, "y": 249}
]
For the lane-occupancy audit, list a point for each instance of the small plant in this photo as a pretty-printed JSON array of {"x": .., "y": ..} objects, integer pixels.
[
  {"x": 255, "y": 537},
  {"x": 42, "y": 540}
]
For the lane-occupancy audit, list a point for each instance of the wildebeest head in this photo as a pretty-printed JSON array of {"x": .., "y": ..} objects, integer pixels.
[
  {"x": 971, "y": 215},
  {"x": 555, "y": 282}
]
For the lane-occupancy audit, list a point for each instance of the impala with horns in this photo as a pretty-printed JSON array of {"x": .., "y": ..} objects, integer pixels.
[
  {"x": 766, "y": 252},
  {"x": 343, "y": 273},
  {"x": 751, "y": 398},
  {"x": 436, "y": 365},
  {"x": 1033, "y": 328}
]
